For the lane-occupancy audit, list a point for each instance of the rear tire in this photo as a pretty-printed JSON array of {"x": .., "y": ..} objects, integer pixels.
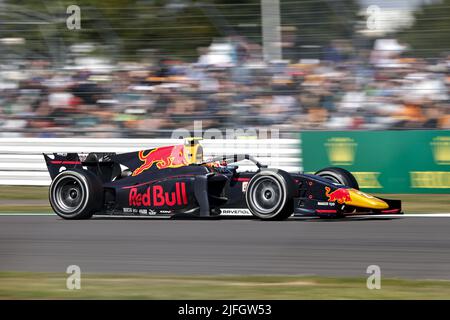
[
  {"x": 269, "y": 195},
  {"x": 76, "y": 194}
]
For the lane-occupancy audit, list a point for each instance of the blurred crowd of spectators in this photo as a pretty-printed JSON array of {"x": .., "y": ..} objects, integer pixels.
[{"x": 236, "y": 91}]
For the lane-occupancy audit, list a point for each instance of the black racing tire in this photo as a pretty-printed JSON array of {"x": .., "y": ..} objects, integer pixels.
[
  {"x": 76, "y": 194},
  {"x": 338, "y": 175},
  {"x": 269, "y": 195}
]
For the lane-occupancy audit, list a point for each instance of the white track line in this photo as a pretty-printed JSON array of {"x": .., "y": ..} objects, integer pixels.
[
  {"x": 414, "y": 215},
  {"x": 411, "y": 215},
  {"x": 27, "y": 214}
]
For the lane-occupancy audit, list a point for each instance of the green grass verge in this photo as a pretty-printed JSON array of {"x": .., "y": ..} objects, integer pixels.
[
  {"x": 35, "y": 199},
  {"x": 16, "y": 285},
  {"x": 422, "y": 203},
  {"x": 23, "y": 193},
  {"x": 24, "y": 208}
]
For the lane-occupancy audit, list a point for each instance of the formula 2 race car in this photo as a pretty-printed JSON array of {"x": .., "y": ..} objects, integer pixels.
[{"x": 174, "y": 180}]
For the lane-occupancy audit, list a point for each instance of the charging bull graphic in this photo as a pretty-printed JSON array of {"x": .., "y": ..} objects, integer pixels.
[
  {"x": 164, "y": 157},
  {"x": 340, "y": 195}
]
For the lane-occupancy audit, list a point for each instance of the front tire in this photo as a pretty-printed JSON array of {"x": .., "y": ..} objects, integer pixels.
[
  {"x": 339, "y": 176},
  {"x": 76, "y": 194},
  {"x": 269, "y": 195}
]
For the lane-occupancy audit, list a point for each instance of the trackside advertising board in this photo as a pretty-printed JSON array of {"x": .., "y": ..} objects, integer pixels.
[{"x": 412, "y": 161}]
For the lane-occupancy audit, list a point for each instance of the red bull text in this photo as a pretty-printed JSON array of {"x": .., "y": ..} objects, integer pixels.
[{"x": 155, "y": 196}]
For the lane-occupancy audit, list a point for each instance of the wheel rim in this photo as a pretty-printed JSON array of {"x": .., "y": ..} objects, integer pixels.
[
  {"x": 69, "y": 194},
  {"x": 266, "y": 195}
]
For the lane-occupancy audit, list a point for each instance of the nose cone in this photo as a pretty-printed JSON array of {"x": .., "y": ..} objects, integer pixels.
[{"x": 364, "y": 200}]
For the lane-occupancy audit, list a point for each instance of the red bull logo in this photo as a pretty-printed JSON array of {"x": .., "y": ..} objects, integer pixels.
[
  {"x": 155, "y": 196},
  {"x": 340, "y": 195},
  {"x": 164, "y": 157}
]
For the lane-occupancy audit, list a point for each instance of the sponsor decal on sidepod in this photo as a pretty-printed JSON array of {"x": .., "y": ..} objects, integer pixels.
[{"x": 155, "y": 196}]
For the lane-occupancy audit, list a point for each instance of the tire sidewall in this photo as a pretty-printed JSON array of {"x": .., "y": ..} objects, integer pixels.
[
  {"x": 279, "y": 212},
  {"x": 343, "y": 176},
  {"x": 88, "y": 186}
]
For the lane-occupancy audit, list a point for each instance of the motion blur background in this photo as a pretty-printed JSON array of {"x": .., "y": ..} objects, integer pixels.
[
  {"x": 143, "y": 68},
  {"x": 358, "y": 84}
]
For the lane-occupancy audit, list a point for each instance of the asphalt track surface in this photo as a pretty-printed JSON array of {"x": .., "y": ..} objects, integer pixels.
[{"x": 403, "y": 247}]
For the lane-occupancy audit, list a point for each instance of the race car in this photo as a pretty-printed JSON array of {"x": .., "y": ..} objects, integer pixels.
[{"x": 175, "y": 181}]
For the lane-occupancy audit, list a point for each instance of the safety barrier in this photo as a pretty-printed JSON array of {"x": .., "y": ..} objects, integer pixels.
[{"x": 22, "y": 163}]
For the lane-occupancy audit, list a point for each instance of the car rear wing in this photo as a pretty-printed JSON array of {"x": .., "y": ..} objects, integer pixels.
[{"x": 99, "y": 163}]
